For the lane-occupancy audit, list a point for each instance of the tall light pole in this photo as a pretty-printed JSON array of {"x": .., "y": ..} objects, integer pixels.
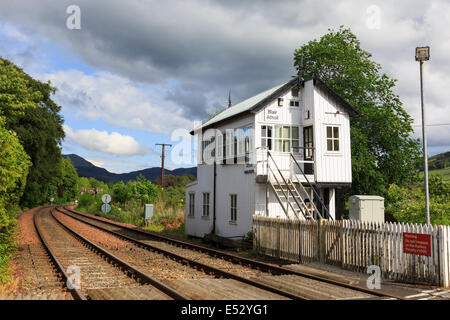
[{"x": 423, "y": 54}]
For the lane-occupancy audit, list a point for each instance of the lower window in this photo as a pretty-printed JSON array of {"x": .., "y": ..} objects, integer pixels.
[{"x": 233, "y": 198}]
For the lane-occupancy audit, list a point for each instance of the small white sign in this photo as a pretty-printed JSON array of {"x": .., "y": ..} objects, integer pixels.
[
  {"x": 272, "y": 115},
  {"x": 51, "y": 200},
  {"x": 106, "y": 198},
  {"x": 106, "y": 208}
]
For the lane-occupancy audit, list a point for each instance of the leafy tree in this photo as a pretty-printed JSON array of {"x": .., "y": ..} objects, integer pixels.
[
  {"x": 64, "y": 184},
  {"x": 383, "y": 151},
  {"x": 14, "y": 166},
  {"x": 29, "y": 111},
  {"x": 121, "y": 192}
]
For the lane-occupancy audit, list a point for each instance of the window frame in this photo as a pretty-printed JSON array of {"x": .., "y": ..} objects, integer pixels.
[
  {"x": 191, "y": 212},
  {"x": 206, "y": 204},
  {"x": 333, "y": 139},
  {"x": 288, "y": 140},
  {"x": 233, "y": 209}
]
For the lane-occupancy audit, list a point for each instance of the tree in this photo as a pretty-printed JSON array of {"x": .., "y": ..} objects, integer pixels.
[
  {"x": 383, "y": 150},
  {"x": 64, "y": 184},
  {"x": 29, "y": 110},
  {"x": 14, "y": 166}
]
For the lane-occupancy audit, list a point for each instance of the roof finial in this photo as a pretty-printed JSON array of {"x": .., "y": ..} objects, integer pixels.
[{"x": 229, "y": 98}]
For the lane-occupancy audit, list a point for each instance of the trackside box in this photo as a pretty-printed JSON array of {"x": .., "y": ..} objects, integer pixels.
[{"x": 366, "y": 208}]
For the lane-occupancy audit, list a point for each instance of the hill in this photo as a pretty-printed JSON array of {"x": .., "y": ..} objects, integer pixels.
[
  {"x": 86, "y": 169},
  {"x": 439, "y": 164},
  {"x": 439, "y": 161}
]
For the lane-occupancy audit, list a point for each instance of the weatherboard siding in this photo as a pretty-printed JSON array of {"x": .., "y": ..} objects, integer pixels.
[{"x": 331, "y": 166}]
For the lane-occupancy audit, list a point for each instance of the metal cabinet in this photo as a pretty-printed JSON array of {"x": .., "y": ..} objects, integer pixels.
[{"x": 366, "y": 208}]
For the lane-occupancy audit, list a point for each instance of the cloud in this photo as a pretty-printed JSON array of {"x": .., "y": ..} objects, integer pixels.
[
  {"x": 116, "y": 100},
  {"x": 104, "y": 142}
]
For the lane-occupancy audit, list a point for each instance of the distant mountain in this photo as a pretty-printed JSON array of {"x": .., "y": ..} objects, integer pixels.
[{"x": 87, "y": 169}]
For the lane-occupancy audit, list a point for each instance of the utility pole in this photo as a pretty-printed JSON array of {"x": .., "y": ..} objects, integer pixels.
[
  {"x": 162, "y": 166},
  {"x": 423, "y": 54}
]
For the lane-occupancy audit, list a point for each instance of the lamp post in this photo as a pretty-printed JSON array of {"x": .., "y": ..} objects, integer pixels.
[{"x": 423, "y": 54}]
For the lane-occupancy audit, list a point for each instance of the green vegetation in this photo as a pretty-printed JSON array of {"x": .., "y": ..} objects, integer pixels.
[
  {"x": 32, "y": 169},
  {"x": 128, "y": 201},
  {"x": 407, "y": 204},
  {"x": 14, "y": 166},
  {"x": 31, "y": 113},
  {"x": 439, "y": 161},
  {"x": 383, "y": 150}
]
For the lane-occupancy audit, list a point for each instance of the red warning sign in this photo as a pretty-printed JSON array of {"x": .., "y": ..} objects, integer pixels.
[{"x": 417, "y": 243}]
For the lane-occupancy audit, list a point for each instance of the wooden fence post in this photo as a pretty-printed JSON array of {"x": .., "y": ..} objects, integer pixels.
[{"x": 321, "y": 238}]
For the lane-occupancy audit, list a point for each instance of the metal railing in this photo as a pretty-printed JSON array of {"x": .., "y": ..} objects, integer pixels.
[
  {"x": 269, "y": 156},
  {"x": 314, "y": 190}
]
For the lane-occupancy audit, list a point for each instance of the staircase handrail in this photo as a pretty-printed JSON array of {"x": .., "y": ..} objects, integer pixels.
[
  {"x": 269, "y": 155},
  {"x": 312, "y": 188}
]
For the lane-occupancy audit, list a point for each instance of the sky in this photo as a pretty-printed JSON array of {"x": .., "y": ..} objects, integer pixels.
[{"x": 131, "y": 74}]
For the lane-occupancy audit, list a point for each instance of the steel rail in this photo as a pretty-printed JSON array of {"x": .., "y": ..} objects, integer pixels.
[
  {"x": 197, "y": 265},
  {"x": 76, "y": 293},
  {"x": 241, "y": 260},
  {"x": 145, "y": 278}
]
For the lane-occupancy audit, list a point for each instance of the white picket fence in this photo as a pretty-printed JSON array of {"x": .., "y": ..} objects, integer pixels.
[{"x": 355, "y": 245}]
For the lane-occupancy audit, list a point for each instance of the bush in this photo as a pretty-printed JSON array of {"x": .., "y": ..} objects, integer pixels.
[
  {"x": 14, "y": 164},
  {"x": 407, "y": 204},
  {"x": 86, "y": 200}
]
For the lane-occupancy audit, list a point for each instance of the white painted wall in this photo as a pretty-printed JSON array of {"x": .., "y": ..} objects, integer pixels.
[
  {"x": 331, "y": 166},
  {"x": 238, "y": 178}
]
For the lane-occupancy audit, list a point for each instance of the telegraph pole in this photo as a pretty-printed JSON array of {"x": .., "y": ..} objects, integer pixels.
[{"x": 162, "y": 166}]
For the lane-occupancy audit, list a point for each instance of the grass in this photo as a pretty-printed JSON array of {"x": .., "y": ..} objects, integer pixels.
[
  {"x": 166, "y": 219},
  {"x": 444, "y": 173}
]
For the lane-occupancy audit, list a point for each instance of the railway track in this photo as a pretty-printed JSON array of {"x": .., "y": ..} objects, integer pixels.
[
  {"x": 99, "y": 269},
  {"x": 282, "y": 281}
]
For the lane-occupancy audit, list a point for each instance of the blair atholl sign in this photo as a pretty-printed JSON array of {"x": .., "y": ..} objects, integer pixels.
[{"x": 417, "y": 243}]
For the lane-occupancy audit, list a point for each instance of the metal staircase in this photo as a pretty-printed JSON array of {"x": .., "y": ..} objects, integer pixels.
[{"x": 291, "y": 192}]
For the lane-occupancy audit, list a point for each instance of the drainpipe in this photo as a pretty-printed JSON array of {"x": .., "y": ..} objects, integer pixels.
[{"x": 214, "y": 201}]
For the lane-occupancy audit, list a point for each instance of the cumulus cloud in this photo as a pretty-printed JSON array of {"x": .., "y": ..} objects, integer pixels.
[
  {"x": 102, "y": 141},
  {"x": 116, "y": 100}
]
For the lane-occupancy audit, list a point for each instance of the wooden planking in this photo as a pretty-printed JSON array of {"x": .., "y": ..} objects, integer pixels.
[
  {"x": 355, "y": 245},
  {"x": 128, "y": 293},
  {"x": 221, "y": 289}
]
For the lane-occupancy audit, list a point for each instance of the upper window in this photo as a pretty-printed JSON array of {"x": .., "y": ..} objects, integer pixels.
[
  {"x": 286, "y": 138},
  {"x": 332, "y": 138},
  {"x": 266, "y": 137},
  {"x": 294, "y": 103},
  {"x": 280, "y": 102},
  {"x": 205, "y": 144}
]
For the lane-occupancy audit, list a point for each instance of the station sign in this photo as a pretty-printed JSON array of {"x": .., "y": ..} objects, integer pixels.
[
  {"x": 417, "y": 243},
  {"x": 272, "y": 115}
]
